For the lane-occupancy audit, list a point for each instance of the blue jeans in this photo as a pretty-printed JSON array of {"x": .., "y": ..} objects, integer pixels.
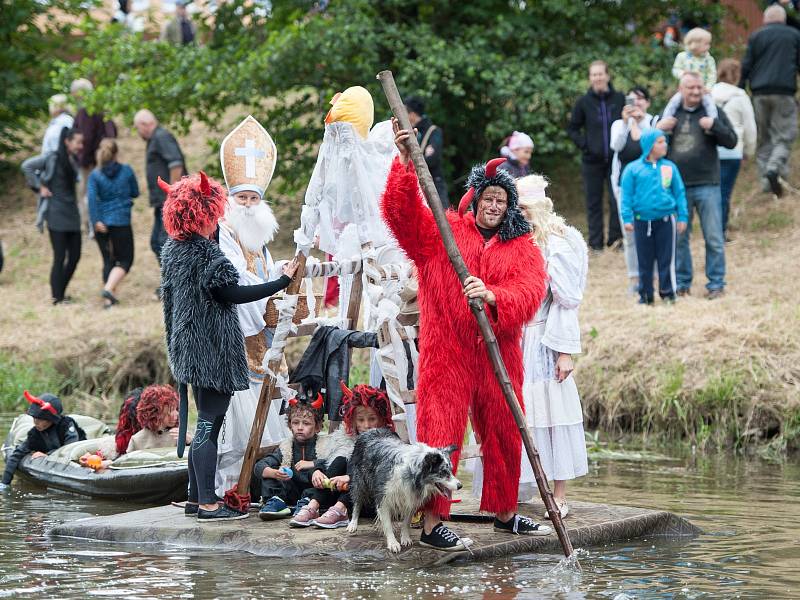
[
  {"x": 706, "y": 200},
  {"x": 728, "y": 172}
]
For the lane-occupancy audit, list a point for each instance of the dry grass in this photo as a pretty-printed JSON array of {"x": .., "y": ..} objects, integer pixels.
[{"x": 713, "y": 372}]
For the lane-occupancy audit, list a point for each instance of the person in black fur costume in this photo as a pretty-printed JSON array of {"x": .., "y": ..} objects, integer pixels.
[
  {"x": 51, "y": 430},
  {"x": 205, "y": 344}
]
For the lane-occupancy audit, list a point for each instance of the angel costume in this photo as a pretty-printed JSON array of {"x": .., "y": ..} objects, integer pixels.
[
  {"x": 552, "y": 409},
  {"x": 248, "y": 156}
]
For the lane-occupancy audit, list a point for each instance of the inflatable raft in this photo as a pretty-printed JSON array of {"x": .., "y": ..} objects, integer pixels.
[{"x": 143, "y": 476}]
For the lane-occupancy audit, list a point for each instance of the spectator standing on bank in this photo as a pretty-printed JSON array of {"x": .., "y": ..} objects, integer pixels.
[
  {"x": 93, "y": 128},
  {"x": 112, "y": 188},
  {"x": 179, "y": 31},
  {"x": 693, "y": 148},
  {"x": 53, "y": 176},
  {"x": 163, "y": 158},
  {"x": 590, "y": 129},
  {"x": 517, "y": 149},
  {"x": 770, "y": 67},
  {"x": 736, "y": 104},
  {"x": 431, "y": 141},
  {"x": 59, "y": 119},
  {"x": 626, "y": 135}
]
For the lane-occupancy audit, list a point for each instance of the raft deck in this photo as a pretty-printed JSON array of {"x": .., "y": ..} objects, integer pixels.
[{"x": 588, "y": 525}]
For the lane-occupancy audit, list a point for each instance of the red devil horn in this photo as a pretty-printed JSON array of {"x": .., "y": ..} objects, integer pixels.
[
  {"x": 163, "y": 185},
  {"x": 348, "y": 393},
  {"x": 32, "y": 399},
  {"x": 317, "y": 404},
  {"x": 205, "y": 185},
  {"x": 491, "y": 166},
  {"x": 466, "y": 200},
  {"x": 292, "y": 401}
]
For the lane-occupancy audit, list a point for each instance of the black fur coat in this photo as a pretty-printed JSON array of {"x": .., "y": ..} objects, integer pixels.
[{"x": 205, "y": 344}]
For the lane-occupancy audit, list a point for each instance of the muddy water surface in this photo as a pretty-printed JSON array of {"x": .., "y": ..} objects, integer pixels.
[{"x": 749, "y": 511}]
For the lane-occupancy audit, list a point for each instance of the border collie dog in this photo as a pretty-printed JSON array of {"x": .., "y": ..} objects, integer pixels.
[{"x": 397, "y": 478}]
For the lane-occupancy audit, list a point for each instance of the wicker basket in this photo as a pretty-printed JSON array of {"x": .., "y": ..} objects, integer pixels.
[{"x": 271, "y": 315}]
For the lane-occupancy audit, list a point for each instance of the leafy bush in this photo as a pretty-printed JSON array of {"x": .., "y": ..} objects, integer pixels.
[
  {"x": 32, "y": 35},
  {"x": 485, "y": 67}
]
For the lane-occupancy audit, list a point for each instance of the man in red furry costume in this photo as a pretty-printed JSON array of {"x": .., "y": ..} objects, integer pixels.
[{"x": 455, "y": 374}]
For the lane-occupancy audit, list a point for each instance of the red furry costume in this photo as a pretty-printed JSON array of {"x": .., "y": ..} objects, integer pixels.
[{"x": 455, "y": 373}]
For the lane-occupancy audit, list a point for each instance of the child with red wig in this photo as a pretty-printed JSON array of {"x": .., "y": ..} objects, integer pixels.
[
  {"x": 205, "y": 345},
  {"x": 148, "y": 419},
  {"x": 364, "y": 408}
]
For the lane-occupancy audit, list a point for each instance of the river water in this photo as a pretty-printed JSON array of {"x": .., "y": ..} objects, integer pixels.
[{"x": 750, "y": 548}]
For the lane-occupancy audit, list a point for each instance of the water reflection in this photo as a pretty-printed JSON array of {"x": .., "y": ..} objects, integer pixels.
[{"x": 748, "y": 510}]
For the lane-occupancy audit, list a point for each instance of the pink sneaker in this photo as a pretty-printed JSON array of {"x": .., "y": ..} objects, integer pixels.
[
  {"x": 304, "y": 517},
  {"x": 332, "y": 519}
]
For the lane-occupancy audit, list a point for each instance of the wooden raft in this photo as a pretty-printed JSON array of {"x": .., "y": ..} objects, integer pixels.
[{"x": 589, "y": 525}]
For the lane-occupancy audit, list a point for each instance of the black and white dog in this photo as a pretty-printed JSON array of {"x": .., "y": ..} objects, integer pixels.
[{"x": 398, "y": 478}]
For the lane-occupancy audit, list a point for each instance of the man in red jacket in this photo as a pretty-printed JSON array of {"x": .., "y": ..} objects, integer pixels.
[{"x": 455, "y": 374}]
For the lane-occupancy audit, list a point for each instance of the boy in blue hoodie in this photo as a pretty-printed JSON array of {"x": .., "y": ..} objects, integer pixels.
[{"x": 653, "y": 198}]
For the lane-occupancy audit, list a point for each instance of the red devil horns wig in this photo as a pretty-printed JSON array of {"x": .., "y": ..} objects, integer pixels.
[
  {"x": 368, "y": 397},
  {"x": 316, "y": 404},
  {"x": 482, "y": 177},
  {"x": 44, "y": 406},
  {"x": 193, "y": 205},
  {"x": 156, "y": 407}
]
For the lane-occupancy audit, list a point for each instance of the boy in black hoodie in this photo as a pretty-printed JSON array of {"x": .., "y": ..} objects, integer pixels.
[{"x": 51, "y": 430}]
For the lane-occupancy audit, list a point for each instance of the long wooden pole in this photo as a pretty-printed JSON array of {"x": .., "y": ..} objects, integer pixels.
[
  {"x": 429, "y": 189},
  {"x": 265, "y": 398}
]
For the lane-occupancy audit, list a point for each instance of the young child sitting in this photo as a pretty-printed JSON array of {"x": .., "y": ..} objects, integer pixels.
[
  {"x": 51, "y": 430},
  {"x": 286, "y": 473},
  {"x": 695, "y": 59},
  {"x": 148, "y": 419},
  {"x": 652, "y": 195},
  {"x": 364, "y": 408}
]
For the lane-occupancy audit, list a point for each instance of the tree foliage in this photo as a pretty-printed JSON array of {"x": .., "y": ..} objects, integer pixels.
[
  {"x": 33, "y": 34},
  {"x": 485, "y": 67}
]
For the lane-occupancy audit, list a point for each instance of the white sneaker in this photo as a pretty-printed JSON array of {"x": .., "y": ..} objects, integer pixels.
[{"x": 563, "y": 508}]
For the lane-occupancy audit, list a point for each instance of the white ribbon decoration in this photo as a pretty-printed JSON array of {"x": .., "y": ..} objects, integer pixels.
[{"x": 286, "y": 308}]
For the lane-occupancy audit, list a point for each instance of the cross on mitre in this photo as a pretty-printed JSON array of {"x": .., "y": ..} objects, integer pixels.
[{"x": 248, "y": 156}]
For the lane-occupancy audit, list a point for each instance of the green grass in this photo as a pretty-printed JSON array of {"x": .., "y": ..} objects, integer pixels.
[
  {"x": 16, "y": 376},
  {"x": 775, "y": 220}
]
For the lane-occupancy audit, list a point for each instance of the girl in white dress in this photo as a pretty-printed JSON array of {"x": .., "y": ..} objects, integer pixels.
[{"x": 552, "y": 404}]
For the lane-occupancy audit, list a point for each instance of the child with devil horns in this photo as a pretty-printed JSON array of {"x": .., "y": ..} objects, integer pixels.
[
  {"x": 51, "y": 430},
  {"x": 205, "y": 344},
  {"x": 287, "y": 475},
  {"x": 364, "y": 408}
]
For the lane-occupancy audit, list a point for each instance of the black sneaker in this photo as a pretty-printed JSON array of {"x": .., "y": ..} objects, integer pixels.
[
  {"x": 441, "y": 538},
  {"x": 223, "y": 513},
  {"x": 774, "y": 183},
  {"x": 520, "y": 525},
  {"x": 190, "y": 509}
]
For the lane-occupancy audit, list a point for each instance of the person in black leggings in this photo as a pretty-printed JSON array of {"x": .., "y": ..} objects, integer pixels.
[
  {"x": 111, "y": 189},
  {"x": 54, "y": 176},
  {"x": 205, "y": 344}
]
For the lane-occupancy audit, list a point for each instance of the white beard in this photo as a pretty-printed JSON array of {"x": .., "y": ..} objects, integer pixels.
[{"x": 254, "y": 226}]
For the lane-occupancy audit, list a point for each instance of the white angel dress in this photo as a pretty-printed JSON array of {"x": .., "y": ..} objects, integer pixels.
[{"x": 552, "y": 409}]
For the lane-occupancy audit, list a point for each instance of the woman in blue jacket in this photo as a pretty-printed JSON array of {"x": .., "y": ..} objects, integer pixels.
[
  {"x": 653, "y": 199},
  {"x": 111, "y": 188}
]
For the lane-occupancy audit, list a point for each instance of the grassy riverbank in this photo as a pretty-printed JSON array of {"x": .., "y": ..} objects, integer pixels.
[{"x": 721, "y": 373}]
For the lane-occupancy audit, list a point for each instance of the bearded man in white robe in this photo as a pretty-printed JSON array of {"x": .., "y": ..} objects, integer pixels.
[{"x": 248, "y": 159}]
